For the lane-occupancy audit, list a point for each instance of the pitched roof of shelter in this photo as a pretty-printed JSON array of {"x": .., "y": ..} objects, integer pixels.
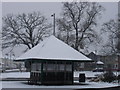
[{"x": 53, "y": 49}]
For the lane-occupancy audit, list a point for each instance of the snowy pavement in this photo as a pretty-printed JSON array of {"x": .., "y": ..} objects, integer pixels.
[{"x": 23, "y": 84}]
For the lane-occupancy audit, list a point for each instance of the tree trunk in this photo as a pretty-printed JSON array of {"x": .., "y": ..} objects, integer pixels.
[
  {"x": 67, "y": 41},
  {"x": 76, "y": 38},
  {"x": 76, "y": 41}
]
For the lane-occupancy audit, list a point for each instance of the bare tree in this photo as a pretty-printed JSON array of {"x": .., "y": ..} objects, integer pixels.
[
  {"x": 26, "y": 29},
  {"x": 80, "y": 17},
  {"x": 111, "y": 28},
  {"x": 64, "y": 29}
]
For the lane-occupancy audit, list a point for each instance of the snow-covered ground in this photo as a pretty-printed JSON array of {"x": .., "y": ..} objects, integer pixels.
[
  {"x": 21, "y": 84},
  {"x": 91, "y": 74},
  {"x": 87, "y": 73},
  {"x": 15, "y": 75},
  {"x": 27, "y": 74}
]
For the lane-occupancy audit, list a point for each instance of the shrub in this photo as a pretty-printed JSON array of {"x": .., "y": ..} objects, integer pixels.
[{"x": 109, "y": 77}]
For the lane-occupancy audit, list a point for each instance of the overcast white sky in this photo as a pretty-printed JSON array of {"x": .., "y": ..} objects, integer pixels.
[{"x": 48, "y": 8}]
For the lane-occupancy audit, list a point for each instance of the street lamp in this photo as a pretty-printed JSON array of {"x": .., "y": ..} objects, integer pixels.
[{"x": 53, "y": 15}]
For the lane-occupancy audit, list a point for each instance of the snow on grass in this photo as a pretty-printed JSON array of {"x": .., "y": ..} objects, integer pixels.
[
  {"x": 87, "y": 73},
  {"x": 27, "y": 74},
  {"x": 16, "y": 75},
  {"x": 12, "y": 70},
  {"x": 92, "y": 74}
]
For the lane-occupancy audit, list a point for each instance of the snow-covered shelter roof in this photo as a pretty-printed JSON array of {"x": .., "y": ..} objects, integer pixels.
[
  {"x": 99, "y": 62},
  {"x": 53, "y": 49}
]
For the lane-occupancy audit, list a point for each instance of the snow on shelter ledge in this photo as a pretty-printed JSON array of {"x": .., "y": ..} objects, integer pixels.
[{"x": 52, "y": 48}]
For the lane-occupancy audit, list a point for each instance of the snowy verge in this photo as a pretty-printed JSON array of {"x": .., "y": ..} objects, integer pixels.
[{"x": 16, "y": 75}]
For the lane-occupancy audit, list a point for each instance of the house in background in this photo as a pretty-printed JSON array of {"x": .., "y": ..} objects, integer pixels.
[
  {"x": 99, "y": 64},
  {"x": 52, "y": 62},
  {"x": 107, "y": 62}
]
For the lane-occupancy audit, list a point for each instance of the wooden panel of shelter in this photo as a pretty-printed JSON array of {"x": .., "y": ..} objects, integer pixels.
[
  {"x": 51, "y": 72},
  {"x": 35, "y": 71}
]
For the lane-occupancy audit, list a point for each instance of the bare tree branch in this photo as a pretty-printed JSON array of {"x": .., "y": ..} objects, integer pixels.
[
  {"x": 111, "y": 28},
  {"x": 82, "y": 18},
  {"x": 26, "y": 29}
]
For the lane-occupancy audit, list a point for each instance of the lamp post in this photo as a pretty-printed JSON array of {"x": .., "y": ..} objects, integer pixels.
[{"x": 53, "y": 15}]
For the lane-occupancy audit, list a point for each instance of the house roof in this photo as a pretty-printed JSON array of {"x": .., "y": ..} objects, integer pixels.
[
  {"x": 99, "y": 62},
  {"x": 53, "y": 49}
]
